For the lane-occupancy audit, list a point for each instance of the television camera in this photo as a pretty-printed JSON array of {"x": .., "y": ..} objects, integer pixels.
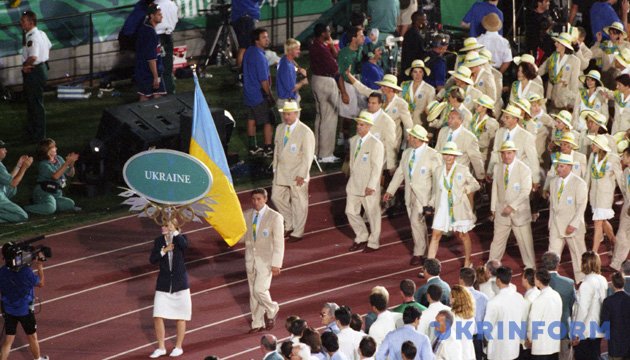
[{"x": 22, "y": 253}]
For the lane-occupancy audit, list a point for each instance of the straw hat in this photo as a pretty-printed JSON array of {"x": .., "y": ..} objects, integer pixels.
[
  {"x": 485, "y": 101},
  {"x": 463, "y": 73},
  {"x": 535, "y": 97},
  {"x": 568, "y": 137},
  {"x": 526, "y": 58},
  {"x": 473, "y": 59},
  {"x": 486, "y": 54},
  {"x": 418, "y": 64},
  {"x": 600, "y": 141},
  {"x": 597, "y": 117},
  {"x": 593, "y": 74},
  {"x": 574, "y": 32},
  {"x": 617, "y": 26},
  {"x": 621, "y": 140},
  {"x": 435, "y": 108},
  {"x": 450, "y": 148},
  {"x": 565, "y": 159},
  {"x": 471, "y": 44},
  {"x": 508, "y": 145},
  {"x": 623, "y": 57},
  {"x": 564, "y": 39},
  {"x": 366, "y": 117},
  {"x": 513, "y": 110},
  {"x": 565, "y": 117},
  {"x": 390, "y": 81},
  {"x": 418, "y": 132},
  {"x": 289, "y": 106},
  {"x": 491, "y": 22},
  {"x": 523, "y": 104}
]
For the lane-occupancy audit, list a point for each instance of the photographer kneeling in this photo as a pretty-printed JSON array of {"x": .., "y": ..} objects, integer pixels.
[{"x": 17, "y": 290}]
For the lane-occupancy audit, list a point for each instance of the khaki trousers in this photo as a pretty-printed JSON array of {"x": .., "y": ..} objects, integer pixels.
[
  {"x": 372, "y": 206},
  {"x": 259, "y": 297},
  {"x": 622, "y": 247},
  {"x": 418, "y": 228},
  {"x": 326, "y": 96},
  {"x": 524, "y": 240},
  {"x": 292, "y": 203},
  {"x": 576, "y": 245}
]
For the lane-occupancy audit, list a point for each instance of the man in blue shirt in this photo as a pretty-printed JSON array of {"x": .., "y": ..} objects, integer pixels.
[
  {"x": 149, "y": 53},
  {"x": 392, "y": 344},
  {"x": 603, "y": 14},
  {"x": 244, "y": 17},
  {"x": 472, "y": 19},
  {"x": 17, "y": 293},
  {"x": 257, "y": 92}
]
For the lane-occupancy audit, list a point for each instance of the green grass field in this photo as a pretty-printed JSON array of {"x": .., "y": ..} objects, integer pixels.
[{"x": 73, "y": 123}]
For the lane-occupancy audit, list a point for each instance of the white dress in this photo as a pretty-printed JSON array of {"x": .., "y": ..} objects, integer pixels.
[{"x": 442, "y": 219}]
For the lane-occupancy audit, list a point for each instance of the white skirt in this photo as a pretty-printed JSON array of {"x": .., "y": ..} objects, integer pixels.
[
  {"x": 442, "y": 220},
  {"x": 175, "y": 306},
  {"x": 603, "y": 214}
]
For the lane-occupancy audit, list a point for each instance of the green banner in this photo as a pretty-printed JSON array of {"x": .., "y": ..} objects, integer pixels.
[{"x": 453, "y": 11}]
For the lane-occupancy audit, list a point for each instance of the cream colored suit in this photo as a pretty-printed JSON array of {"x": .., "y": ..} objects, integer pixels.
[
  {"x": 498, "y": 83},
  {"x": 384, "y": 129},
  {"x": 597, "y": 101},
  {"x": 486, "y": 127},
  {"x": 261, "y": 254},
  {"x": 544, "y": 125},
  {"x": 516, "y": 196},
  {"x": 585, "y": 143},
  {"x": 485, "y": 83},
  {"x": 524, "y": 92},
  {"x": 568, "y": 210},
  {"x": 397, "y": 109},
  {"x": 526, "y": 152},
  {"x": 418, "y": 190},
  {"x": 579, "y": 169},
  {"x": 562, "y": 94},
  {"x": 602, "y": 191},
  {"x": 365, "y": 172},
  {"x": 418, "y": 100},
  {"x": 441, "y": 120},
  {"x": 622, "y": 246},
  {"x": 291, "y": 160},
  {"x": 471, "y": 93},
  {"x": 584, "y": 54},
  {"x": 463, "y": 184},
  {"x": 466, "y": 143}
]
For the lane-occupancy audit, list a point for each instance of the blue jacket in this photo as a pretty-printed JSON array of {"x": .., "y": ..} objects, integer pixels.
[
  {"x": 170, "y": 280},
  {"x": 421, "y": 294},
  {"x": 566, "y": 288}
]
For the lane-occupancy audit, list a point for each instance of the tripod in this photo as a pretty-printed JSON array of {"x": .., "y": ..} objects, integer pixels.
[{"x": 222, "y": 46}]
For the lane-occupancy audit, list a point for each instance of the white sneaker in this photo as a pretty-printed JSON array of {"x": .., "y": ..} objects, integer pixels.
[
  {"x": 176, "y": 352},
  {"x": 157, "y": 353},
  {"x": 329, "y": 159}
]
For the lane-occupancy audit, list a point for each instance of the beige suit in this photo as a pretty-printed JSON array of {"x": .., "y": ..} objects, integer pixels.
[
  {"x": 602, "y": 191},
  {"x": 524, "y": 92},
  {"x": 365, "y": 172},
  {"x": 568, "y": 210},
  {"x": 486, "y": 127},
  {"x": 463, "y": 184},
  {"x": 498, "y": 83},
  {"x": 579, "y": 169},
  {"x": 418, "y": 100},
  {"x": 622, "y": 246},
  {"x": 384, "y": 129},
  {"x": 606, "y": 61},
  {"x": 544, "y": 125},
  {"x": 292, "y": 160},
  {"x": 562, "y": 94},
  {"x": 485, "y": 83},
  {"x": 466, "y": 143},
  {"x": 526, "y": 152},
  {"x": 516, "y": 196},
  {"x": 584, "y": 54},
  {"x": 442, "y": 120},
  {"x": 585, "y": 143},
  {"x": 397, "y": 109},
  {"x": 471, "y": 94},
  {"x": 261, "y": 254},
  {"x": 598, "y": 102},
  {"x": 418, "y": 192}
]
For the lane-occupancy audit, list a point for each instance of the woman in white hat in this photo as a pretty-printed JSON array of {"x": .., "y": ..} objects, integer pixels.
[
  {"x": 453, "y": 211},
  {"x": 526, "y": 83},
  {"x": 563, "y": 69},
  {"x": 604, "y": 170},
  {"x": 483, "y": 125},
  {"x": 621, "y": 97},
  {"x": 482, "y": 79},
  {"x": 568, "y": 145},
  {"x": 592, "y": 95},
  {"x": 595, "y": 125},
  {"x": 462, "y": 77},
  {"x": 544, "y": 123},
  {"x": 470, "y": 44},
  {"x": 417, "y": 92},
  {"x": 455, "y": 100},
  {"x": 604, "y": 51},
  {"x": 563, "y": 125}
]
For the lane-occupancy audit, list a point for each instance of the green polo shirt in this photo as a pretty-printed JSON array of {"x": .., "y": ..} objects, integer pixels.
[
  {"x": 347, "y": 57},
  {"x": 401, "y": 308}
]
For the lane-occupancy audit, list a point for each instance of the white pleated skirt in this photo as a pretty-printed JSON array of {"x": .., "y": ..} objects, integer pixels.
[
  {"x": 603, "y": 214},
  {"x": 442, "y": 220},
  {"x": 175, "y": 306}
]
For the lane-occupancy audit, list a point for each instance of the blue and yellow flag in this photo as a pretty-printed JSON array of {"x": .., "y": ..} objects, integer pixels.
[{"x": 227, "y": 215}]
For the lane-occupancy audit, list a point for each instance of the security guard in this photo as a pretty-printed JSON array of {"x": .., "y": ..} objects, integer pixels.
[
  {"x": 9, "y": 211},
  {"x": 35, "y": 73}
]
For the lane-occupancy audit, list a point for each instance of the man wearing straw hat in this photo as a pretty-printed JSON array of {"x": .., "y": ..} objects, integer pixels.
[
  {"x": 294, "y": 151},
  {"x": 523, "y": 139},
  {"x": 510, "y": 207},
  {"x": 466, "y": 141},
  {"x": 495, "y": 43},
  {"x": 417, "y": 165},
  {"x": 568, "y": 145},
  {"x": 363, "y": 188},
  {"x": 470, "y": 44},
  {"x": 568, "y": 197}
]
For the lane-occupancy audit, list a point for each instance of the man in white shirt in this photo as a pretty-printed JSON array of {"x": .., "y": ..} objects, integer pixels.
[
  {"x": 495, "y": 43},
  {"x": 531, "y": 293},
  {"x": 367, "y": 348},
  {"x": 170, "y": 17},
  {"x": 434, "y": 293},
  {"x": 447, "y": 345},
  {"x": 385, "y": 321},
  {"x": 349, "y": 339},
  {"x": 546, "y": 311}
]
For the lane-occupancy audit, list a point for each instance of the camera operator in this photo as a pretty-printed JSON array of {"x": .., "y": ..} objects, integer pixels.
[{"x": 17, "y": 290}]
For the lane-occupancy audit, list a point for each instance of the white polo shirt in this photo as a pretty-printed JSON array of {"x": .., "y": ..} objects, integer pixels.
[{"x": 37, "y": 45}]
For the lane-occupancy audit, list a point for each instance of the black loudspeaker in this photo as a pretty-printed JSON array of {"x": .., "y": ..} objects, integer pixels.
[{"x": 164, "y": 123}]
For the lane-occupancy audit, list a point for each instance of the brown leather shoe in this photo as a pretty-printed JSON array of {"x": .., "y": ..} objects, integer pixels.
[
  {"x": 287, "y": 233},
  {"x": 255, "y": 330},
  {"x": 358, "y": 246},
  {"x": 270, "y": 323},
  {"x": 368, "y": 250},
  {"x": 294, "y": 239},
  {"x": 416, "y": 260}
]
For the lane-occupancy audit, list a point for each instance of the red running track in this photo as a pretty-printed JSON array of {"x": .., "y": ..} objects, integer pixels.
[{"x": 97, "y": 303}]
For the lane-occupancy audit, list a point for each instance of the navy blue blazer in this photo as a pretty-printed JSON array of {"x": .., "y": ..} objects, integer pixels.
[
  {"x": 421, "y": 293},
  {"x": 616, "y": 310},
  {"x": 170, "y": 280}
]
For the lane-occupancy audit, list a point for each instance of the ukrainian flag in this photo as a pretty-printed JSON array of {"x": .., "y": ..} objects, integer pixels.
[{"x": 227, "y": 215}]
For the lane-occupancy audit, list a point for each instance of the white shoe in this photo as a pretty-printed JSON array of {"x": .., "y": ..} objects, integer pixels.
[
  {"x": 329, "y": 159},
  {"x": 157, "y": 353},
  {"x": 176, "y": 352}
]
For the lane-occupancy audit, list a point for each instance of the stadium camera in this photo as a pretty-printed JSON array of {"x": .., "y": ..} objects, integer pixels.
[{"x": 20, "y": 254}]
